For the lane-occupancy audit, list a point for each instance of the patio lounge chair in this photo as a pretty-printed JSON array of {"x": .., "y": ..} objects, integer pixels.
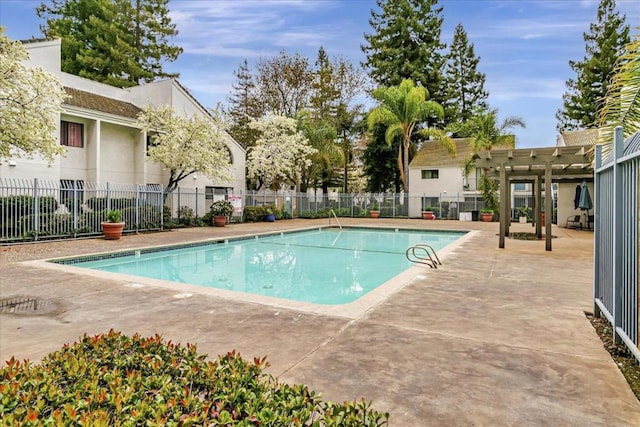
[{"x": 574, "y": 222}]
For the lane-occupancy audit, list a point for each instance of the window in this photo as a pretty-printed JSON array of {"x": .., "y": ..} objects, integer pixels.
[
  {"x": 430, "y": 203},
  {"x": 429, "y": 174},
  {"x": 71, "y": 192},
  {"x": 216, "y": 193},
  {"x": 151, "y": 140},
  {"x": 71, "y": 134},
  {"x": 519, "y": 187},
  {"x": 230, "y": 154}
]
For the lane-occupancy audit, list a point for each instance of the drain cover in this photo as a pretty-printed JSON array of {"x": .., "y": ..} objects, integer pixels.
[{"x": 27, "y": 306}]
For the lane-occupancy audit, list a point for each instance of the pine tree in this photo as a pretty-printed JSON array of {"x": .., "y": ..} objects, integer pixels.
[
  {"x": 585, "y": 94},
  {"x": 464, "y": 84},
  {"x": 325, "y": 95},
  {"x": 244, "y": 106},
  {"x": 112, "y": 41},
  {"x": 405, "y": 44},
  {"x": 152, "y": 31}
]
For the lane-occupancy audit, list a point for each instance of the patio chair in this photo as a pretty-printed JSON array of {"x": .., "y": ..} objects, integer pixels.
[{"x": 574, "y": 222}]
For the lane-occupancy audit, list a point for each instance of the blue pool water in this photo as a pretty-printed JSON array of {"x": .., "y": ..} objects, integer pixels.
[{"x": 328, "y": 266}]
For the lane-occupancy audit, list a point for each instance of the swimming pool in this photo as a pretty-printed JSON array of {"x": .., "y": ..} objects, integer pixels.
[{"x": 323, "y": 266}]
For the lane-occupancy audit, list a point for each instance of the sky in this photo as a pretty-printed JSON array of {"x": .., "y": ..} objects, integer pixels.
[{"x": 524, "y": 46}]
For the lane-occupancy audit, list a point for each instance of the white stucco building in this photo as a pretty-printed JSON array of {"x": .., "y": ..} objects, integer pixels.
[
  {"x": 98, "y": 128},
  {"x": 435, "y": 174}
]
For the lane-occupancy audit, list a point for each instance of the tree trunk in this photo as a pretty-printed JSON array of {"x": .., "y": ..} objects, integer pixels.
[{"x": 406, "y": 169}]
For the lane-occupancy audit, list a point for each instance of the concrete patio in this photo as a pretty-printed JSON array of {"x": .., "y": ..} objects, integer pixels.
[{"x": 493, "y": 337}]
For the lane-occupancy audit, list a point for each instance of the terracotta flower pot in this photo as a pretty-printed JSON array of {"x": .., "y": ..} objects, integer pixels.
[
  {"x": 112, "y": 230},
  {"x": 428, "y": 215},
  {"x": 374, "y": 214},
  {"x": 487, "y": 217},
  {"x": 219, "y": 220}
]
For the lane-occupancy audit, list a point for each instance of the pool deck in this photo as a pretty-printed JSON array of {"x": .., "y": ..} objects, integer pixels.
[{"x": 492, "y": 337}]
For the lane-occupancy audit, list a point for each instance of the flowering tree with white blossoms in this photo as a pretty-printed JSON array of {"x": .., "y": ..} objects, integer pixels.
[
  {"x": 30, "y": 104},
  {"x": 280, "y": 152},
  {"x": 186, "y": 145}
]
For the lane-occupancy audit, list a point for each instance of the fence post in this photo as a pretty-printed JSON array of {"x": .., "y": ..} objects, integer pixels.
[
  {"x": 76, "y": 202},
  {"x": 618, "y": 236},
  {"x": 393, "y": 206},
  {"x": 108, "y": 197},
  {"x": 36, "y": 208},
  {"x": 137, "y": 207},
  {"x": 597, "y": 239},
  {"x": 196, "y": 202}
]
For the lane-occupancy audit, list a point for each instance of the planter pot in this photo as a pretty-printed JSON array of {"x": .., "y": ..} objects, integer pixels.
[
  {"x": 271, "y": 217},
  {"x": 219, "y": 220},
  {"x": 112, "y": 230},
  {"x": 428, "y": 215},
  {"x": 374, "y": 214},
  {"x": 487, "y": 217},
  {"x": 523, "y": 220}
]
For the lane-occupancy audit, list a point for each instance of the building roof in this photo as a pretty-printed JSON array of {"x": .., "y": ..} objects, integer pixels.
[
  {"x": 91, "y": 101},
  {"x": 432, "y": 154},
  {"x": 579, "y": 137}
]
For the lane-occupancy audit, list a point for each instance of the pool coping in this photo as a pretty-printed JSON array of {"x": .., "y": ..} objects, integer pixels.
[{"x": 353, "y": 310}]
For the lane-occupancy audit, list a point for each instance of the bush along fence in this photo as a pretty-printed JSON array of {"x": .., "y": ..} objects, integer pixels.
[
  {"x": 617, "y": 233},
  {"x": 36, "y": 210}
]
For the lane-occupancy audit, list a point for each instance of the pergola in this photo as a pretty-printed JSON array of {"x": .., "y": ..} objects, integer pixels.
[{"x": 535, "y": 165}]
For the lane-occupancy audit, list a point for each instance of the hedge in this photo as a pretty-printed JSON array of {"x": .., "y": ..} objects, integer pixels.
[
  {"x": 17, "y": 206},
  {"x": 115, "y": 380}
]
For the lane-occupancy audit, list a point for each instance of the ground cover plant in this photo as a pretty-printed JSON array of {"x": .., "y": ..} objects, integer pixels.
[
  {"x": 115, "y": 380},
  {"x": 627, "y": 364}
]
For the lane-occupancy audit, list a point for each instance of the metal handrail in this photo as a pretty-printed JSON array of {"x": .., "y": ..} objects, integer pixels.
[
  {"x": 431, "y": 261},
  {"x": 337, "y": 220}
]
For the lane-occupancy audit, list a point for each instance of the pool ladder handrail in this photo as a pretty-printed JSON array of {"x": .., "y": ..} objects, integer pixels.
[
  {"x": 334, "y": 215},
  {"x": 431, "y": 259}
]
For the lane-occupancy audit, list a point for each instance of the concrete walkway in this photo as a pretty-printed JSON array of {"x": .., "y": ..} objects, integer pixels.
[{"x": 493, "y": 337}]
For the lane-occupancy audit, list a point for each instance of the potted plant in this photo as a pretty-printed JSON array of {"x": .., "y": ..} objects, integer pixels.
[
  {"x": 270, "y": 216},
  {"x": 220, "y": 210},
  {"x": 113, "y": 225},
  {"x": 375, "y": 211},
  {"x": 428, "y": 213},
  {"x": 523, "y": 214},
  {"x": 487, "y": 214}
]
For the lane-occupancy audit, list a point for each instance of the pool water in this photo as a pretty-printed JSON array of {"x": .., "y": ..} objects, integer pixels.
[{"x": 325, "y": 266}]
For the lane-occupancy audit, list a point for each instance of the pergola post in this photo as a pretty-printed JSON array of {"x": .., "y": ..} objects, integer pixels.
[
  {"x": 509, "y": 206},
  {"x": 538, "y": 202},
  {"x": 504, "y": 204},
  {"x": 548, "y": 205}
]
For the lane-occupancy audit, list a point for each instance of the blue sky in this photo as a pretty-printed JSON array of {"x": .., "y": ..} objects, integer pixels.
[{"x": 525, "y": 46}]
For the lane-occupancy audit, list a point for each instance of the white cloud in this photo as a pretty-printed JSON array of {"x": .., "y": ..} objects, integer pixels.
[{"x": 509, "y": 89}]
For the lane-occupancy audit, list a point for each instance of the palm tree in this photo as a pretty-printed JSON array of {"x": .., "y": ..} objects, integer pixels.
[
  {"x": 322, "y": 136},
  {"x": 486, "y": 134},
  {"x": 622, "y": 103},
  {"x": 403, "y": 109}
]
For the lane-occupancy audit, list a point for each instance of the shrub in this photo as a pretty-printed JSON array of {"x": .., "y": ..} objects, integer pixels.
[
  {"x": 256, "y": 213},
  {"x": 186, "y": 216},
  {"x": 221, "y": 208},
  {"x": 100, "y": 203},
  {"x": 51, "y": 224},
  {"x": 112, "y": 379},
  {"x": 17, "y": 206}
]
